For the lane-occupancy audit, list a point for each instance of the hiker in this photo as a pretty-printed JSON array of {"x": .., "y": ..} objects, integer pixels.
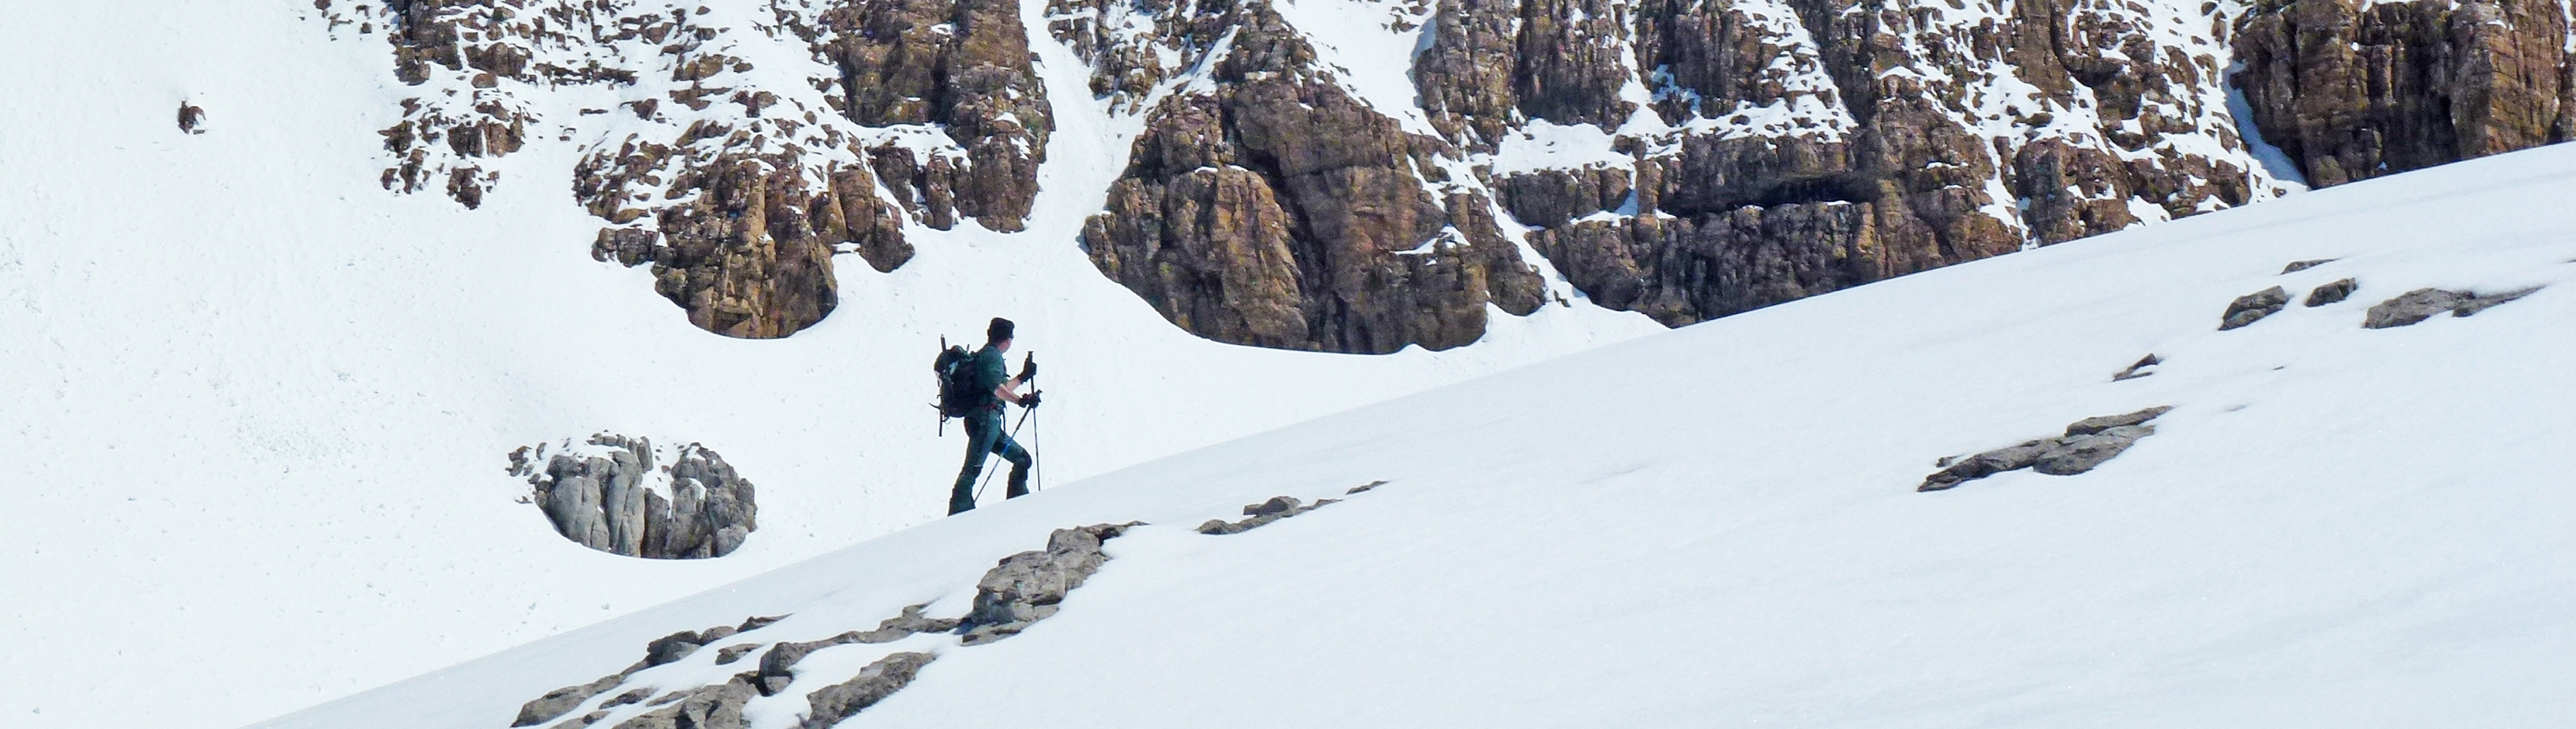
[{"x": 984, "y": 434}]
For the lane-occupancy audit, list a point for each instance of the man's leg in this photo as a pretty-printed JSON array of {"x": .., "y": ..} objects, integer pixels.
[
  {"x": 1020, "y": 460},
  {"x": 979, "y": 443}
]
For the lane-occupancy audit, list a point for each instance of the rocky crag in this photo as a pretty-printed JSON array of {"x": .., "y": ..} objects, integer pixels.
[
  {"x": 607, "y": 493},
  {"x": 1364, "y": 175},
  {"x": 737, "y": 184},
  {"x": 2351, "y": 90}
]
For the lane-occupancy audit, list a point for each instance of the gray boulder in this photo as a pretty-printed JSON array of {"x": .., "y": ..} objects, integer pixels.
[
  {"x": 2077, "y": 454},
  {"x": 2254, "y": 306},
  {"x": 2418, "y": 305},
  {"x": 2089, "y": 426},
  {"x": 2331, "y": 293},
  {"x": 1986, "y": 464},
  {"x": 2086, "y": 444},
  {"x": 1277, "y": 508},
  {"x": 1026, "y": 587},
  {"x": 2138, "y": 369},
  {"x": 2297, "y": 266},
  {"x": 560, "y": 701},
  {"x": 717, "y": 706},
  {"x": 603, "y": 502},
  {"x": 832, "y": 704}
]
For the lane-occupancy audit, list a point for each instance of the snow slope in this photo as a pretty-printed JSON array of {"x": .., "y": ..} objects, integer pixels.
[
  {"x": 257, "y": 408},
  {"x": 1718, "y": 526}
]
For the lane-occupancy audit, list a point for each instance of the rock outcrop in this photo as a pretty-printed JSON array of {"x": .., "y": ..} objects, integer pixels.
[
  {"x": 2418, "y": 305},
  {"x": 2331, "y": 292},
  {"x": 829, "y": 705},
  {"x": 1274, "y": 208},
  {"x": 2086, "y": 444},
  {"x": 1257, "y": 515},
  {"x": 2351, "y": 90},
  {"x": 2254, "y": 306},
  {"x": 962, "y": 66},
  {"x": 554, "y": 704},
  {"x": 607, "y": 493},
  {"x": 1022, "y": 589},
  {"x": 737, "y": 185},
  {"x": 1686, "y": 160},
  {"x": 1026, "y": 587},
  {"x": 1795, "y": 148}
]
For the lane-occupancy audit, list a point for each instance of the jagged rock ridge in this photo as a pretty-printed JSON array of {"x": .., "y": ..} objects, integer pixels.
[
  {"x": 738, "y": 184},
  {"x": 1682, "y": 158}
]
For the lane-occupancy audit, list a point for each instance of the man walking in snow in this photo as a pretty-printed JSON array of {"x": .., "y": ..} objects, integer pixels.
[{"x": 984, "y": 434}]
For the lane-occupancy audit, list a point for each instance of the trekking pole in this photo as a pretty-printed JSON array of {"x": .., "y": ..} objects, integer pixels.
[
  {"x": 1036, "y": 454},
  {"x": 988, "y": 455}
]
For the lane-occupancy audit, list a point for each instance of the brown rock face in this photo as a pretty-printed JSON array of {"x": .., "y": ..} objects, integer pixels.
[
  {"x": 1798, "y": 147},
  {"x": 959, "y": 64},
  {"x": 738, "y": 187},
  {"x": 2351, "y": 93},
  {"x": 1276, "y": 210}
]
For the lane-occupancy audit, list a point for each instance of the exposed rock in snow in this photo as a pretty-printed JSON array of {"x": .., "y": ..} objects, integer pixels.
[
  {"x": 777, "y": 667},
  {"x": 1026, "y": 587},
  {"x": 606, "y": 493},
  {"x": 1277, "y": 508},
  {"x": 1023, "y": 589},
  {"x": 665, "y": 650},
  {"x": 2138, "y": 369},
  {"x": 718, "y": 706},
  {"x": 190, "y": 117},
  {"x": 555, "y": 703},
  {"x": 2297, "y": 266},
  {"x": 2087, "y": 443},
  {"x": 831, "y": 704},
  {"x": 2250, "y": 307},
  {"x": 2355, "y": 90},
  {"x": 2421, "y": 304},
  {"x": 2332, "y": 292}
]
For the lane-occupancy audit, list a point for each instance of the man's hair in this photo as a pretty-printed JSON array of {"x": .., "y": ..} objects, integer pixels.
[{"x": 998, "y": 331}]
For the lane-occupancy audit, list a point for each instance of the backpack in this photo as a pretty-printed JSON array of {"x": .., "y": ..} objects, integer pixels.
[{"x": 957, "y": 395}]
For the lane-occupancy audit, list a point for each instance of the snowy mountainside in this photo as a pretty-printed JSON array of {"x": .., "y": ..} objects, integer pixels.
[
  {"x": 261, "y": 409},
  {"x": 2333, "y": 526},
  {"x": 1354, "y": 175}
]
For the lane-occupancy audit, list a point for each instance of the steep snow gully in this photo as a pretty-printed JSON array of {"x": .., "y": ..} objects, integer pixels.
[{"x": 2333, "y": 525}]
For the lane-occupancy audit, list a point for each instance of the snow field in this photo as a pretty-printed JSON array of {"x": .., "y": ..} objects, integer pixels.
[
  {"x": 259, "y": 408},
  {"x": 1717, "y": 526}
]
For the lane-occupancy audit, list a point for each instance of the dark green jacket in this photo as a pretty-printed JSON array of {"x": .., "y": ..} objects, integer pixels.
[{"x": 986, "y": 372}]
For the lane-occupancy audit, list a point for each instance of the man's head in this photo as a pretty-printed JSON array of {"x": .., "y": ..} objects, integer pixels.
[{"x": 999, "y": 332}]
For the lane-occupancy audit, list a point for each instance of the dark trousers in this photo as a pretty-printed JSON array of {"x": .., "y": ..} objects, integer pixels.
[{"x": 984, "y": 438}]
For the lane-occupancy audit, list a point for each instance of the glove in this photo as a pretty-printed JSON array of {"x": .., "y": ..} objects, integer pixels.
[
  {"x": 1029, "y": 400},
  {"x": 1029, "y": 367}
]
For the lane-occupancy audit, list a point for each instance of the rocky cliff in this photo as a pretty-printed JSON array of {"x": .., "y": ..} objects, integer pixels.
[
  {"x": 1364, "y": 175},
  {"x": 2352, "y": 90},
  {"x": 1267, "y": 204},
  {"x": 737, "y": 185}
]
